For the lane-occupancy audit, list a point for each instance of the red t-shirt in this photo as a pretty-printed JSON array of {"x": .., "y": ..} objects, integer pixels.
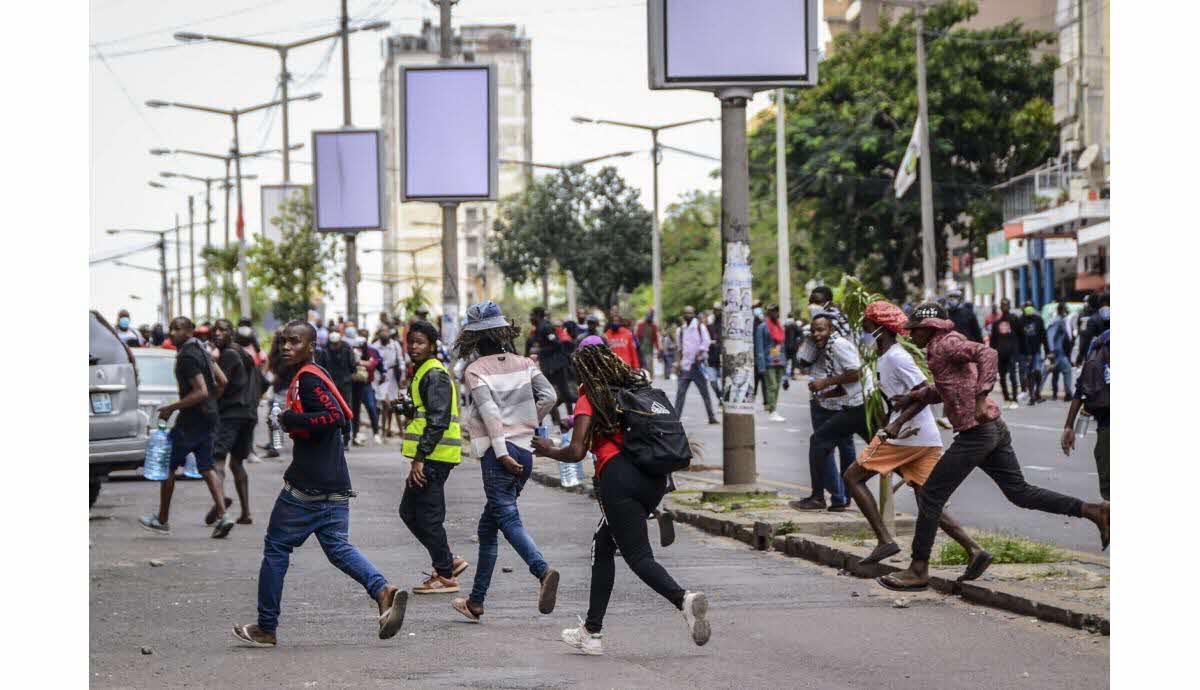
[
  {"x": 620, "y": 342},
  {"x": 605, "y": 446}
]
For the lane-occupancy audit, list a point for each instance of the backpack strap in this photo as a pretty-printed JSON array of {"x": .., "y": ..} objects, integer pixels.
[{"x": 310, "y": 368}]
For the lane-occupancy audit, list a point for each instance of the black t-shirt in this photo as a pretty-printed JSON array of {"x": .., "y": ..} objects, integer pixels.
[
  {"x": 1033, "y": 334},
  {"x": 1005, "y": 336},
  {"x": 318, "y": 461},
  {"x": 550, "y": 352},
  {"x": 232, "y": 404},
  {"x": 193, "y": 359},
  {"x": 340, "y": 363}
]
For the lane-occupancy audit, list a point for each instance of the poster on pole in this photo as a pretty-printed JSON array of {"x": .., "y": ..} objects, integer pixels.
[
  {"x": 348, "y": 191},
  {"x": 274, "y": 198},
  {"x": 714, "y": 44},
  {"x": 448, "y": 133}
]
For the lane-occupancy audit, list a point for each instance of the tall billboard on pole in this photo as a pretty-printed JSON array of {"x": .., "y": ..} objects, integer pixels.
[{"x": 348, "y": 180}]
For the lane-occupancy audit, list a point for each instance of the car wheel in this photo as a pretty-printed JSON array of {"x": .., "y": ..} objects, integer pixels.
[{"x": 93, "y": 491}]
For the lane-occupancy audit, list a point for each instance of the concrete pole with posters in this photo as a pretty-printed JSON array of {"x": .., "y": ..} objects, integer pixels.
[
  {"x": 737, "y": 357},
  {"x": 781, "y": 208},
  {"x": 449, "y": 209}
]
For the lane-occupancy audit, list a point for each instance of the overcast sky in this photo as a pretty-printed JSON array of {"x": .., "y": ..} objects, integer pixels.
[{"x": 589, "y": 58}]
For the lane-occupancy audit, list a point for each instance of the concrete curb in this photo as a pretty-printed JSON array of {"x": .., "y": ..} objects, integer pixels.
[{"x": 835, "y": 554}]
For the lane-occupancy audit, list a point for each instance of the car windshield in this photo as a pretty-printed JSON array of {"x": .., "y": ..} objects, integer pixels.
[{"x": 156, "y": 372}]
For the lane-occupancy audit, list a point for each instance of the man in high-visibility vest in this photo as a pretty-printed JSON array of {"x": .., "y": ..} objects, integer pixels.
[{"x": 433, "y": 441}]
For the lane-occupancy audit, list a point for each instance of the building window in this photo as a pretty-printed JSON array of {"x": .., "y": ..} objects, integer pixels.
[{"x": 472, "y": 247}]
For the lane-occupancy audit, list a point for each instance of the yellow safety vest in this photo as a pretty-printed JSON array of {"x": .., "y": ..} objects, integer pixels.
[{"x": 449, "y": 449}]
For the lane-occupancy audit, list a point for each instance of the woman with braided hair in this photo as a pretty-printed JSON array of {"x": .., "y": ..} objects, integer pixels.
[{"x": 626, "y": 495}]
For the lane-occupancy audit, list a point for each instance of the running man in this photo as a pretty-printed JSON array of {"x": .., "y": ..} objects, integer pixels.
[
  {"x": 200, "y": 386},
  {"x": 910, "y": 444},
  {"x": 626, "y": 494},
  {"x": 316, "y": 495},
  {"x": 964, "y": 373},
  {"x": 509, "y": 398},
  {"x": 433, "y": 441}
]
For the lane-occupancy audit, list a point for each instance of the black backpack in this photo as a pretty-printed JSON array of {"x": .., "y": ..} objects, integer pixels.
[
  {"x": 654, "y": 436},
  {"x": 1093, "y": 384}
]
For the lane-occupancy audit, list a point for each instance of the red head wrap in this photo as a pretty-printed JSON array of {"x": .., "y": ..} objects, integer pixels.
[{"x": 887, "y": 315}]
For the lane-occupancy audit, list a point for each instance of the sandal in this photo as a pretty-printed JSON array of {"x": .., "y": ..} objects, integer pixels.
[
  {"x": 888, "y": 583},
  {"x": 881, "y": 552},
  {"x": 976, "y": 567}
]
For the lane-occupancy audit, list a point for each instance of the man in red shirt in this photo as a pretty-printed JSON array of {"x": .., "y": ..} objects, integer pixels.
[
  {"x": 964, "y": 373},
  {"x": 648, "y": 342},
  {"x": 620, "y": 339}
]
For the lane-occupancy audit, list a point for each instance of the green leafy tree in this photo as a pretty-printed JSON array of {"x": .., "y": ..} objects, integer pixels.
[
  {"x": 610, "y": 254},
  {"x": 990, "y": 118},
  {"x": 222, "y": 263},
  {"x": 298, "y": 267}
]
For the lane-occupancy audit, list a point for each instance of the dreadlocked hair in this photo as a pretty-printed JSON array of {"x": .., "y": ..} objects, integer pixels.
[
  {"x": 600, "y": 371},
  {"x": 468, "y": 342}
]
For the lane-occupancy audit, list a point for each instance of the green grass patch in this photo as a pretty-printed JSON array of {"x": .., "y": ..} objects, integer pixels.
[
  {"x": 786, "y": 528},
  {"x": 727, "y": 502},
  {"x": 1055, "y": 572},
  {"x": 686, "y": 491},
  {"x": 1004, "y": 548},
  {"x": 857, "y": 539}
]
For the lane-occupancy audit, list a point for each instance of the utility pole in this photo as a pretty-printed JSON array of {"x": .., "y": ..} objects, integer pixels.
[
  {"x": 243, "y": 268},
  {"x": 781, "y": 209},
  {"x": 192, "y": 251},
  {"x": 208, "y": 245},
  {"x": 450, "y": 208},
  {"x": 178, "y": 270},
  {"x": 352, "y": 236},
  {"x": 164, "y": 288},
  {"x": 737, "y": 357}
]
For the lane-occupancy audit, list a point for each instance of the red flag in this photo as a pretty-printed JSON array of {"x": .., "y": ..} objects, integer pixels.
[{"x": 241, "y": 224}]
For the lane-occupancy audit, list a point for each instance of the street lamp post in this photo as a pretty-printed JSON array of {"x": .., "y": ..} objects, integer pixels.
[
  {"x": 165, "y": 290},
  {"x": 655, "y": 154},
  {"x": 234, "y": 115}
]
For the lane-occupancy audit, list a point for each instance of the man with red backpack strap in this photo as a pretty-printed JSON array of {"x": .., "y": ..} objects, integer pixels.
[{"x": 316, "y": 495}]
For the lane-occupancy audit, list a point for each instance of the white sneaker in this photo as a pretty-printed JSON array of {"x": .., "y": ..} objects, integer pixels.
[
  {"x": 360, "y": 439},
  {"x": 776, "y": 417},
  {"x": 695, "y": 612},
  {"x": 252, "y": 458},
  {"x": 586, "y": 642},
  {"x": 378, "y": 440}
]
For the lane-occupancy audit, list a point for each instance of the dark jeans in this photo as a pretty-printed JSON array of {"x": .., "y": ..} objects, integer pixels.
[
  {"x": 423, "y": 509},
  {"x": 833, "y": 429},
  {"x": 1008, "y": 376},
  {"x": 500, "y": 515},
  {"x": 686, "y": 378},
  {"x": 626, "y": 495},
  {"x": 364, "y": 394},
  {"x": 988, "y": 447},
  {"x": 292, "y": 520},
  {"x": 1101, "y": 453}
]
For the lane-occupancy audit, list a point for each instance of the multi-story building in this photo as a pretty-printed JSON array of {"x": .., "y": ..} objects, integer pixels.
[
  {"x": 1055, "y": 239},
  {"x": 412, "y": 244}
]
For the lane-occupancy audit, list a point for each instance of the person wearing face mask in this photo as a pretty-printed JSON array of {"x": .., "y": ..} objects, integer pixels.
[
  {"x": 963, "y": 316},
  {"x": 127, "y": 333},
  {"x": 1034, "y": 344},
  {"x": 621, "y": 340},
  {"x": 769, "y": 358},
  {"x": 694, "y": 343}
]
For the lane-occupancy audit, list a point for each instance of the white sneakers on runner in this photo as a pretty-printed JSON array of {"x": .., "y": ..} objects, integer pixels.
[
  {"x": 776, "y": 417},
  {"x": 586, "y": 642},
  {"x": 695, "y": 612}
]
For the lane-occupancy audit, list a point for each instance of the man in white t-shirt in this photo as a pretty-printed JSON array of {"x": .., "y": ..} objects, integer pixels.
[{"x": 910, "y": 444}]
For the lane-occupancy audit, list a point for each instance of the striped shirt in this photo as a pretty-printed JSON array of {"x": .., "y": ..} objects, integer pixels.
[{"x": 509, "y": 397}]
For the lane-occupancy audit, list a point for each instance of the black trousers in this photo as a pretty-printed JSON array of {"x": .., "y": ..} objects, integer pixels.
[
  {"x": 1008, "y": 372},
  {"x": 833, "y": 430},
  {"x": 423, "y": 510},
  {"x": 626, "y": 495},
  {"x": 988, "y": 447}
]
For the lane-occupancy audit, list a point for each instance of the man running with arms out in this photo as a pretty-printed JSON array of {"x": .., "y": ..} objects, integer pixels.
[
  {"x": 316, "y": 495},
  {"x": 200, "y": 385},
  {"x": 509, "y": 398},
  {"x": 433, "y": 441},
  {"x": 964, "y": 373},
  {"x": 626, "y": 494},
  {"x": 910, "y": 449}
]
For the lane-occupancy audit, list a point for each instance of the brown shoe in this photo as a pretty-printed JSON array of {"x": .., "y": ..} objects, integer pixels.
[
  {"x": 458, "y": 566},
  {"x": 436, "y": 584},
  {"x": 470, "y": 611},
  {"x": 392, "y": 604},
  {"x": 252, "y": 634},
  {"x": 548, "y": 592}
]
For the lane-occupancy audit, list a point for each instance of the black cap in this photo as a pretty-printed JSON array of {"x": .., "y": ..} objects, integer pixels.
[{"x": 928, "y": 310}]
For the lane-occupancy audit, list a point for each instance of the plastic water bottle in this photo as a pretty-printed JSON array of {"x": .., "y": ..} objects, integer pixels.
[
  {"x": 569, "y": 473},
  {"x": 276, "y": 429},
  {"x": 157, "y": 464},
  {"x": 189, "y": 467}
]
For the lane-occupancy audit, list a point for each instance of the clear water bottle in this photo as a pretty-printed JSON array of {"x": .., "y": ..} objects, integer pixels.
[
  {"x": 189, "y": 467},
  {"x": 276, "y": 429},
  {"x": 568, "y": 472},
  {"x": 157, "y": 464}
]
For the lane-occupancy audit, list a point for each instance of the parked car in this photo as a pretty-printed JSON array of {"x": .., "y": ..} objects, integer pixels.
[
  {"x": 116, "y": 427},
  {"x": 156, "y": 381}
]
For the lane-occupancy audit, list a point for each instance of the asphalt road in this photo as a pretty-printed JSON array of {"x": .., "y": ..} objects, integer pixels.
[
  {"x": 783, "y": 457},
  {"x": 778, "y": 622}
]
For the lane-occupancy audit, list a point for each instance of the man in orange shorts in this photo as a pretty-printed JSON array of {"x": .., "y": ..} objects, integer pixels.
[{"x": 910, "y": 444}]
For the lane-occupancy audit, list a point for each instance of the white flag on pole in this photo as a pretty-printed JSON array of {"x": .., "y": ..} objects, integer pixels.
[{"x": 907, "y": 173}]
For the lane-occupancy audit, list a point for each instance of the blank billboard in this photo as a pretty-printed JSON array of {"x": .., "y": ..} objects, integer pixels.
[
  {"x": 273, "y": 197},
  {"x": 348, "y": 180},
  {"x": 448, "y": 148},
  {"x": 699, "y": 43}
]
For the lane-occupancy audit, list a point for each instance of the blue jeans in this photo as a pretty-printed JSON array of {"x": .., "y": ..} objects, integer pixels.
[
  {"x": 1062, "y": 367},
  {"x": 500, "y": 515},
  {"x": 824, "y": 475},
  {"x": 292, "y": 521}
]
